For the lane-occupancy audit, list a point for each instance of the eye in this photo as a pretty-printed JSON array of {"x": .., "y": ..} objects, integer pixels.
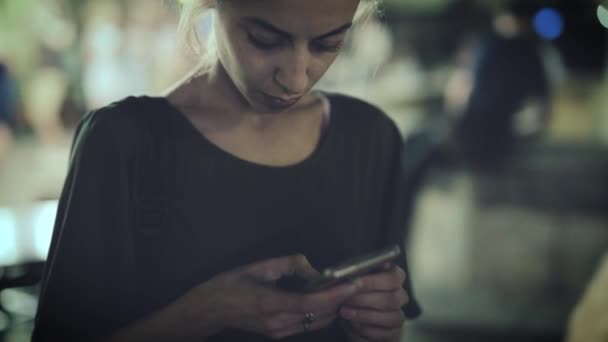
[
  {"x": 324, "y": 47},
  {"x": 264, "y": 44}
]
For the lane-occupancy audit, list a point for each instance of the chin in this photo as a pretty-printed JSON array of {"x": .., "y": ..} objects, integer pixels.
[{"x": 264, "y": 105}]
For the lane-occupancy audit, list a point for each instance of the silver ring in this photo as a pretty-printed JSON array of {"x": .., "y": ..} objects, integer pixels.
[{"x": 309, "y": 317}]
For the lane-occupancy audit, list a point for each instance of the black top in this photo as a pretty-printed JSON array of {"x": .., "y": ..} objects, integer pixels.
[{"x": 347, "y": 198}]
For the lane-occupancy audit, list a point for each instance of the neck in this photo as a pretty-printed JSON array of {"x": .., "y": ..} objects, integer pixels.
[
  {"x": 224, "y": 93},
  {"x": 228, "y": 98},
  {"x": 212, "y": 92}
]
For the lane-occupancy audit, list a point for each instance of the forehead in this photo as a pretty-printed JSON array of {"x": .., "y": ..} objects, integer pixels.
[{"x": 299, "y": 17}]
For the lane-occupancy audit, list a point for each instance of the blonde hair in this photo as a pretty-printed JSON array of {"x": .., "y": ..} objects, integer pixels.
[
  {"x": 192, "y": 11},
  {"x": 367, "y": 10}
]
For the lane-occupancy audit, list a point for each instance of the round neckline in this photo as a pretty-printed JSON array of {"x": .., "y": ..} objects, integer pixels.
[{"x": 318, "y": 151}]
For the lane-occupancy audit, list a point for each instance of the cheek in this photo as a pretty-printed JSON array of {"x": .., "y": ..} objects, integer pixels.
[
  {"x": 243, "y": 63},
  {"x": 255, "y": 67},
  {"x": 319, "y": 66}
]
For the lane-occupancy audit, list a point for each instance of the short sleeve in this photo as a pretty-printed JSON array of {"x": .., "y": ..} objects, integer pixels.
[{"x": 85, "y": 291}]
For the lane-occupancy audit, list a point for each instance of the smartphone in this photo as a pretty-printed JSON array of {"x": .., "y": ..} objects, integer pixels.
[{"x": 344, "y": 271}]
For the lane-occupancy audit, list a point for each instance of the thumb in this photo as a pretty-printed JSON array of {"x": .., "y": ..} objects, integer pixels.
[
  {"x": 302, "y": 267},
  {"x": 270, "y": 270}
]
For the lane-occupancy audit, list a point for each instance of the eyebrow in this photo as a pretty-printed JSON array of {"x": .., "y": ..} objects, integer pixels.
[{"x": 269, "y": 27}]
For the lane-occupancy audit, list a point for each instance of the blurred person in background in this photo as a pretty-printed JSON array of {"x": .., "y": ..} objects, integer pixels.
[
  {"x": 588, "y": 321},
  {"x": 8, "y": 111},
  {"x": 506, "y": 84},
  {"x": 46, "y": 82},
  {"x": 44, "y": 96},
  {"x": 140, "y": 49},
  {"x": 266, "y": 178},
  {"x": 103, "y": 46}
]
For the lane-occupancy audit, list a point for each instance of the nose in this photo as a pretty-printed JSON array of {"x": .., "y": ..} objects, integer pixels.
[{"x": 292, "y": 72}]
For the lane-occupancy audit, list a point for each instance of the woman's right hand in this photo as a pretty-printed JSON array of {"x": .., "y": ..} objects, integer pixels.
[{"x": 247, "y": 299}]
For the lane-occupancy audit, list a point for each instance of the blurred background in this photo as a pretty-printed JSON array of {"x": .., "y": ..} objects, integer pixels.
[{"x": 503, "y": 106}]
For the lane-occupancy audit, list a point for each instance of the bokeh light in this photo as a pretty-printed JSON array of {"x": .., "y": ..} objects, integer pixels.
[
  {"x": 602, "y": 15},
  {"x": 43, "y": 227},
  {"x": 548, "y": 23},
  {"x": 8, "y": 238},
  {"x": 4, "y": 321},
  {"x": 18, "y": 302}
]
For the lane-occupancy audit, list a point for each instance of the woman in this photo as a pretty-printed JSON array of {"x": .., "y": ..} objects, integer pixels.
[{"x": 270, "y": 179}]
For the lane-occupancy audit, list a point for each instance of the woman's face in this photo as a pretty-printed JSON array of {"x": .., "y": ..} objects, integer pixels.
[{"x": 274, "y": 51}]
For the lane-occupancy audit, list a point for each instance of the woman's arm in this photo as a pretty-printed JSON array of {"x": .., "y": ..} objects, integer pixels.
[
  {"x": 245, "y": 299},
  {"x": 378, "y": 311},
  {"x": 86, "y": 289}
]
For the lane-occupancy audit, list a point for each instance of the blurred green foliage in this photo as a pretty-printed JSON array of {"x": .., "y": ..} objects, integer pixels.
[{"x": 16, "y": 30}]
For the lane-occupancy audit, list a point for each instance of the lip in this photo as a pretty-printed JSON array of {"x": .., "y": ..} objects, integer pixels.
[{"x": 281, "y": 101}]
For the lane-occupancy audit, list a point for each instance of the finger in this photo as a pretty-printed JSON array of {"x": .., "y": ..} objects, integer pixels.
[
  {"x": 381, "y": 319},
  {"x": 302, "y": 266},
  {"x": 267, "y": 270},
  {"x": 382, "y": 281},
  {"x": 381, "y": 301},
  {"x": 273, "y": 269},
  {"x": 271, "y": 300},
  {"x": 280, "y": 322},
  {"x": 401, "y": 275},
  {"x": 300, "y": 327},
  {"x": 298, "y": 324},
  {"x": 374, "y": 333},
  {"x": 327, "y": 300}
]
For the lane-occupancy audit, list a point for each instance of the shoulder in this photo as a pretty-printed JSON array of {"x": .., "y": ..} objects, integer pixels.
[
  {"x": 361, "y": 111},
  {"x": 118, "y": 125},
  {"x": 120, "y": 115},
  {"x": 364, "y": 116}
]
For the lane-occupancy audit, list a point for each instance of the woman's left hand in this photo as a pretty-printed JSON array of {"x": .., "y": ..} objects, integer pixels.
[{"x": 374, "y": 313}]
